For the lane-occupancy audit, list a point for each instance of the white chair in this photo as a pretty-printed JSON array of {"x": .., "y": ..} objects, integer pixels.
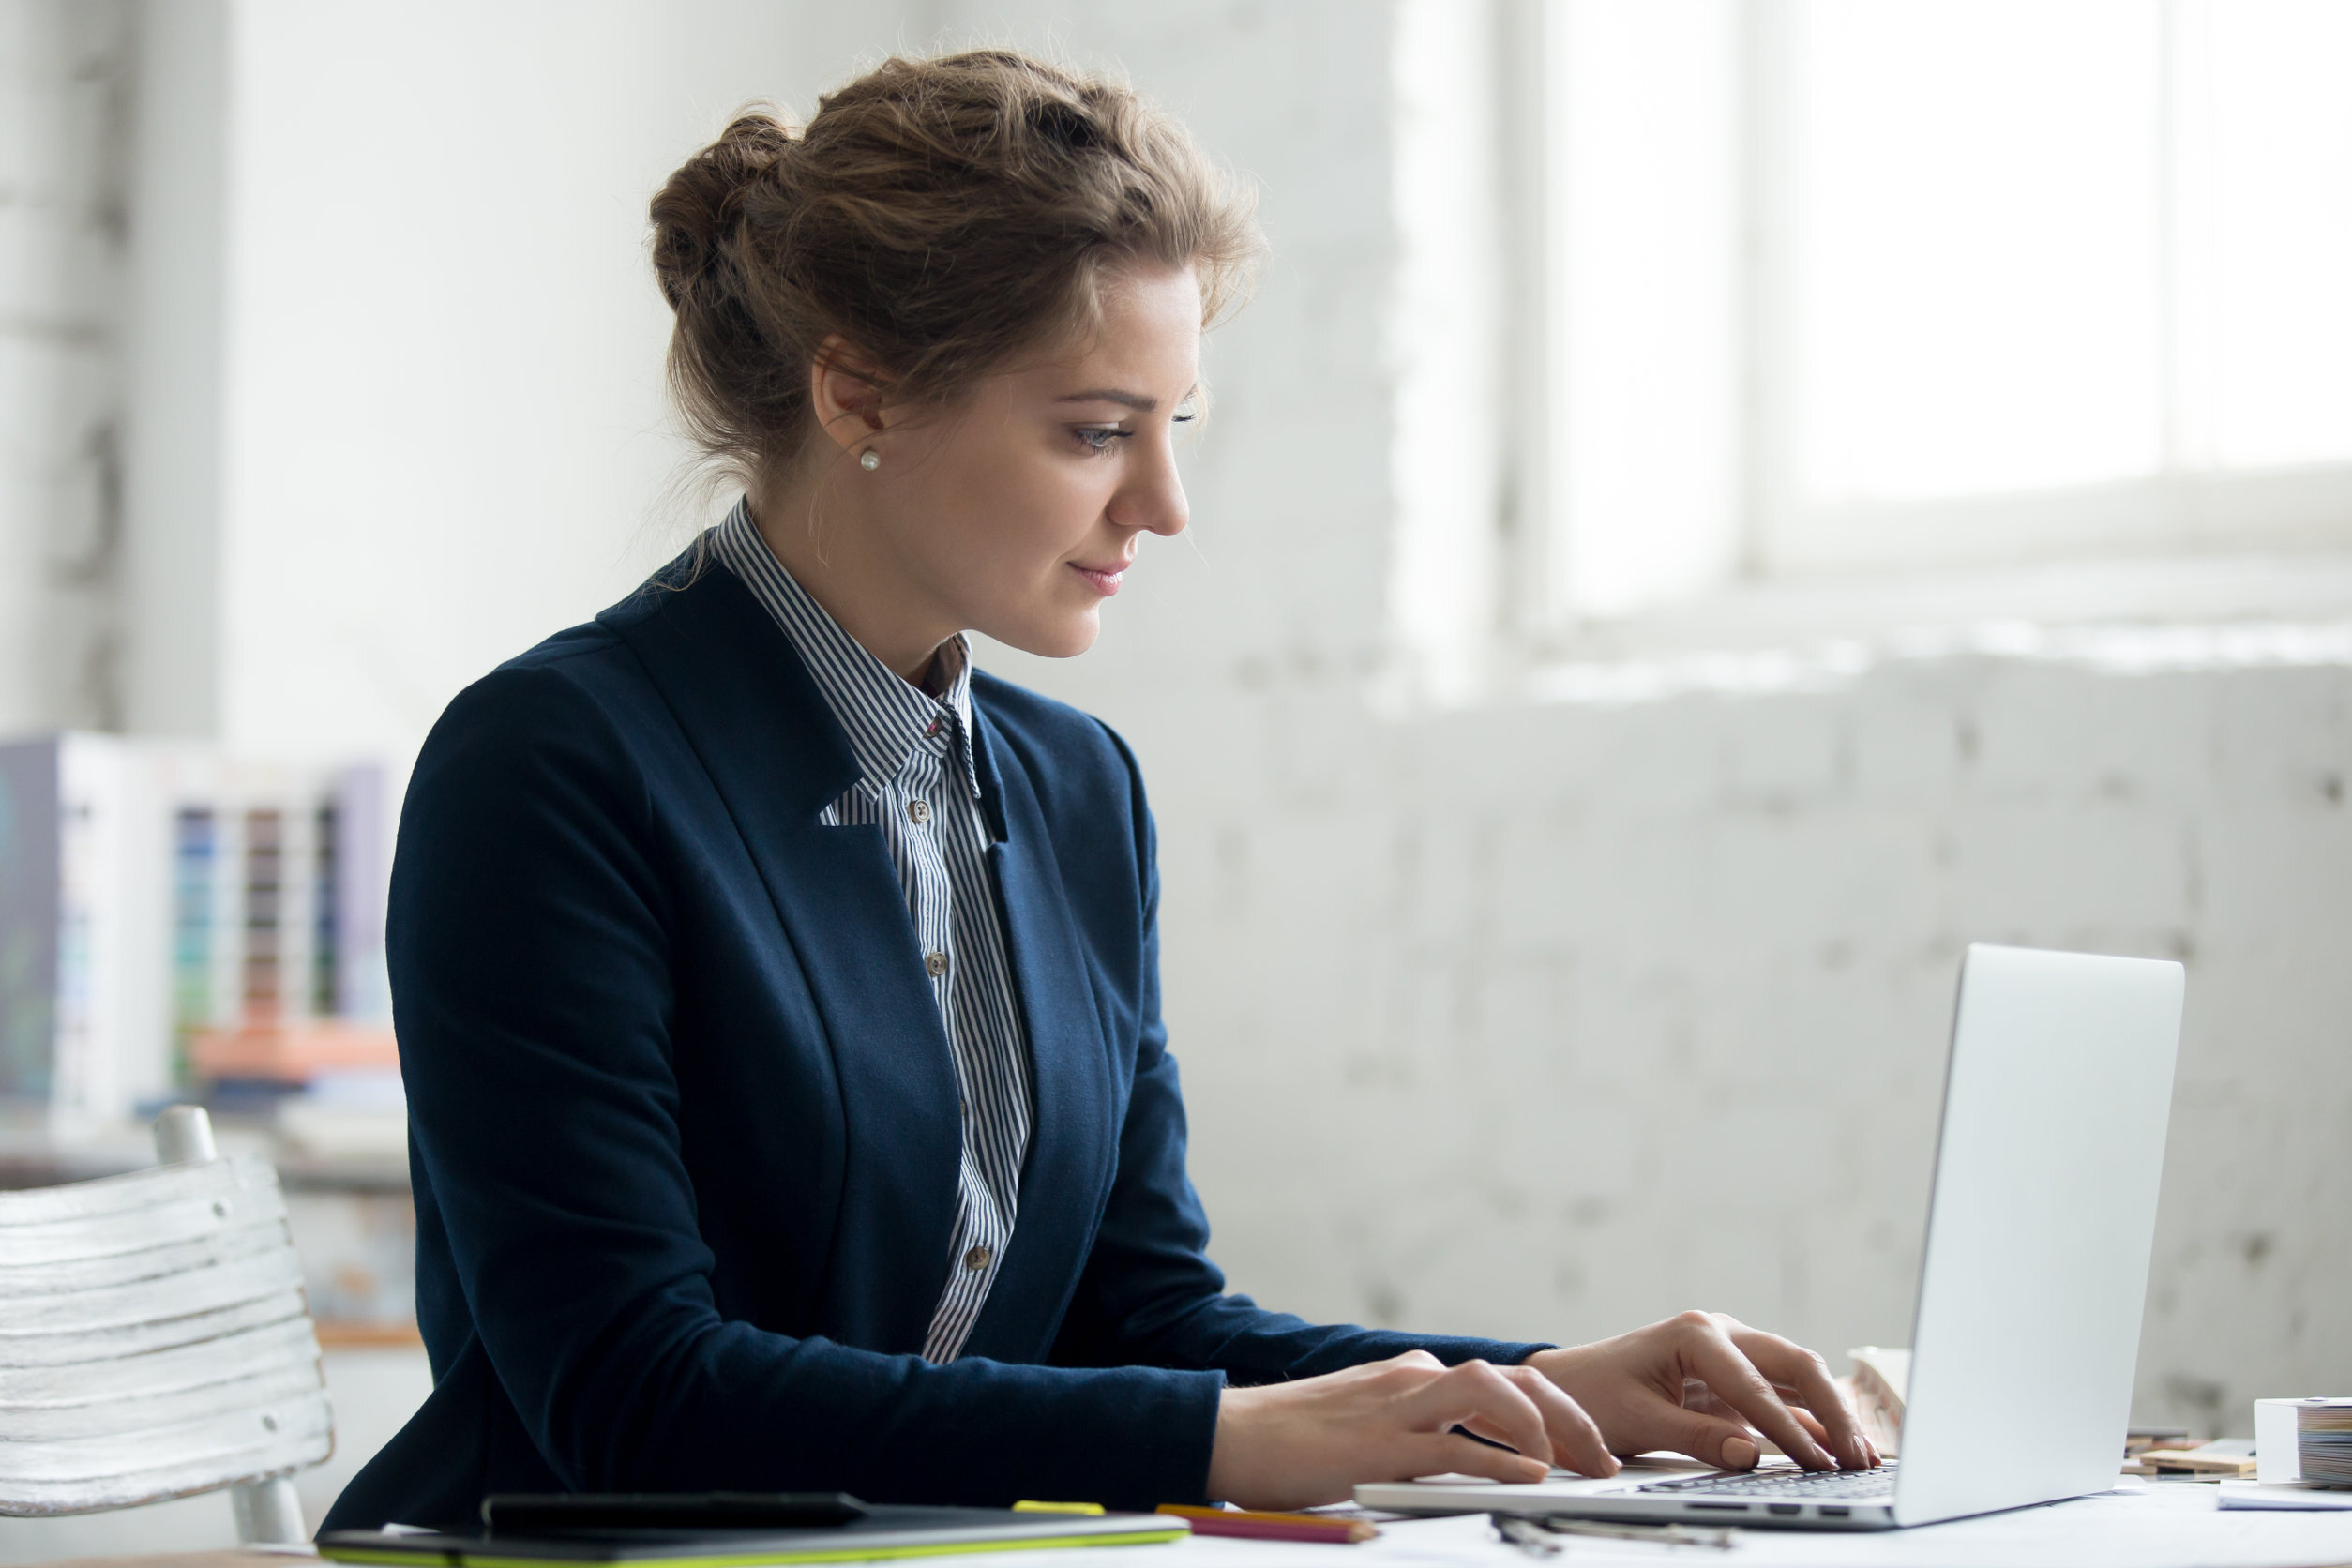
[{"x": 154, "y": 1341}]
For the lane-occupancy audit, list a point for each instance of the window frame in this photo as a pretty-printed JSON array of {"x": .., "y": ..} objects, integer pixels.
[{"x": 1777, "y": 535}]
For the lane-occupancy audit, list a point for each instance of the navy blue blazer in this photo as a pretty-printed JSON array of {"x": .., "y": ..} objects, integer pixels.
[{"x": 683, "y": 1123}]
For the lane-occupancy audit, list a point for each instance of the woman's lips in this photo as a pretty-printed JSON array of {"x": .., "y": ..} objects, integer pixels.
[{"x": 1103, "y": 580}]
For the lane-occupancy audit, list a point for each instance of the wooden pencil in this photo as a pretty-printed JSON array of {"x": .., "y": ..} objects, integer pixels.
[{"x": 1273, "y": 1527}]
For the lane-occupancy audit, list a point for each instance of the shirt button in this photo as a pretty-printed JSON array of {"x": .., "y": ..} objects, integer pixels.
[
  {"x": 920, "y": 811},
  {"x": 935, "y": 726},
  {"x": 978, "y": 1259},
  {"x": 934, "y": 964}
]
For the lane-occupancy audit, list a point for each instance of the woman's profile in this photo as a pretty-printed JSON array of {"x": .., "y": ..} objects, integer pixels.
[{"x": 778, "y": 995}]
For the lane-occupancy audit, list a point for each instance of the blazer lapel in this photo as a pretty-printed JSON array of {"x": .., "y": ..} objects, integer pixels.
[
  {"x": 1074, "y": 1143},
  {"x": 761, "y": 728}
]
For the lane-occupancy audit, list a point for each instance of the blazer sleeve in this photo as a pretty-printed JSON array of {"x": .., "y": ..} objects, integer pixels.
[
  {"x": 1149, "y": 1294},
  {"x": 529, "y": 947}
]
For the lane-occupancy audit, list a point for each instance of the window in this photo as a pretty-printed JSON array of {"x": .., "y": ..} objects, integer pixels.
[{"x": 1846, "y": 284}]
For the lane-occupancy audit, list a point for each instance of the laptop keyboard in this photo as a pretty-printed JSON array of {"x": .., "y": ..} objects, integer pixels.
[{"x": 1837, "y": 1485}]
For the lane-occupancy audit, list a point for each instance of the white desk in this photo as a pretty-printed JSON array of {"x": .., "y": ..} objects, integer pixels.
[
  {"x": 2166, "y": 1525},
  {"x": 2169, "y": 1524}
]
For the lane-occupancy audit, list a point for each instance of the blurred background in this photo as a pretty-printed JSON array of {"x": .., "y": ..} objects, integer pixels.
[{"x": 1713, "y": 507}]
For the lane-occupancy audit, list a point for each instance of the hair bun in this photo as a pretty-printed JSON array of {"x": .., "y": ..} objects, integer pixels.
[
  {"x": 698, "y": 211},
  {"x": 937, "y": 216}
]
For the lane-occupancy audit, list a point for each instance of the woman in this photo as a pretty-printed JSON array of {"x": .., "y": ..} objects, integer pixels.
[{"x": 777, "y": 996}]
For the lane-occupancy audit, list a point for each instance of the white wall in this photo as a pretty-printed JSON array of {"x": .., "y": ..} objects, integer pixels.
[
  {"x": 63, "y": 81},
  {"x": 175, "y": 344},
  {"x": 1538, "y": 1018},
  {"x": 445, "y": 433}
]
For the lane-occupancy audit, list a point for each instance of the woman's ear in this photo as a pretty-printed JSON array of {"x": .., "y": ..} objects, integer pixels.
[{"x": 845, "y": 393}]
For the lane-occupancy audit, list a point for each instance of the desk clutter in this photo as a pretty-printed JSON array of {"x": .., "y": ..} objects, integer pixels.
[{"x": 2305, "y": 1442}]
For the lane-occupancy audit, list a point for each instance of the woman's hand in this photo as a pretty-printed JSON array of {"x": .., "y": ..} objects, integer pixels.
[
  {"x": 1698, "y": 1382},
  {"x": 1293, "y": 1445},
  {"x": 1694, "y": 1383}
]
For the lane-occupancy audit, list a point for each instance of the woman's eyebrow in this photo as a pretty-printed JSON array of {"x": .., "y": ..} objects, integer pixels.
[
  {"x": 1136, "y": 401},
  {"x": 1141, "y": 402}
]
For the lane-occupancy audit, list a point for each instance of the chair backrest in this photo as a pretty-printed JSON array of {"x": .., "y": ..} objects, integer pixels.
[{"x": 154, "y": 1341}]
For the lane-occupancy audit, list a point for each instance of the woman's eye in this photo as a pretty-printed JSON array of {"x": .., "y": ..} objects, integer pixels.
[{"x": 1098, "y": 438}]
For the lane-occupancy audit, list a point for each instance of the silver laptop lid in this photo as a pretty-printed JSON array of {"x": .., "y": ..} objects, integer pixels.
[{"x": 2038, "y": 1232}]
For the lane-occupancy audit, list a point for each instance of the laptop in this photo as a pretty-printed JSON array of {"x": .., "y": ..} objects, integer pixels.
[{"x": 2039, "y": 1226}]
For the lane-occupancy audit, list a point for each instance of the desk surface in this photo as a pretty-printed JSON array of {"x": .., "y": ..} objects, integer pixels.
[{"x": 2164, "y": 1524}]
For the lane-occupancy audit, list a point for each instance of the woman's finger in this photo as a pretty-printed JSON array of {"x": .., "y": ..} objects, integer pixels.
[
  {"x": 1806, "y": 1418},
  {"x": 1450, "y": 1453},
  {"x": 1710, "y": 1439},
  {"x": 1477, "y": 1391},
  {"x": 1584, "y": 1452},
  {"x": 1486, "y": 1431},
  {"x": 1784, "y": 1361},
  {"x": 1738, "y": 1383},
  {"x": 1576, "y": 1441}
]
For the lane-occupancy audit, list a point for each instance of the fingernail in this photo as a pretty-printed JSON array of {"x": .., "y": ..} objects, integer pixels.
[{"x": 1738, "y": 1453}]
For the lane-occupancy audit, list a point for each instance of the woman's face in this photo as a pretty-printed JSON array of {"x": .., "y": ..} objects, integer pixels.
[{"x": 1015, "y": 512}]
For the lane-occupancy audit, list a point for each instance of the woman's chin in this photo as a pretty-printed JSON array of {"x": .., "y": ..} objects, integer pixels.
[{"x": 1064, "y": 636}]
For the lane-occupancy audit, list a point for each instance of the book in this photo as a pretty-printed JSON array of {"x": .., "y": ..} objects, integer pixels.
[
  {"x": 2323, "y": 1440},
  {"x": 2226, "y": 1456},
  {"x": 162, "y": 900}
]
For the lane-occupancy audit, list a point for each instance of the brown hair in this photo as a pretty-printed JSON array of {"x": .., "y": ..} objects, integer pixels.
[{"x": 939, "y": 216}]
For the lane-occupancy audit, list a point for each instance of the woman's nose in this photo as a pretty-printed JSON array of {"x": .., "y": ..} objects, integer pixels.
[{"x": 1153, "y": 501}]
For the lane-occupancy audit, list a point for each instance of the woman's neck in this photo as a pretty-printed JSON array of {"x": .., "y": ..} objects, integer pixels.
[{"x": 840, "y": 557}]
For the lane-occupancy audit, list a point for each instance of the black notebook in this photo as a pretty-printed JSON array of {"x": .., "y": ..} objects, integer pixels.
[{"x": 639, "y": 1530}]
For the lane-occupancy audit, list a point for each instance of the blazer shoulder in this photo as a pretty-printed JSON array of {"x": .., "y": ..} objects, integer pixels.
[
  {"x": 596, "y": 657},
  {"x": 694, "y": 570},
  {"x": 591, "y": 664},
  {"x": 580, "y": 696},
  {"x": 574, "y": 651}
]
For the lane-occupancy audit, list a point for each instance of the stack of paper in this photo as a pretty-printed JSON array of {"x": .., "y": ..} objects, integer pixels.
[
  {"x": 2323, "y": 1440},
  {"x": 1881, "y": 1379}
]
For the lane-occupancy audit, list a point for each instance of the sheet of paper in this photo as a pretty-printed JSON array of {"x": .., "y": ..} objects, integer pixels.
[{"x": 2292, "y": 1496}]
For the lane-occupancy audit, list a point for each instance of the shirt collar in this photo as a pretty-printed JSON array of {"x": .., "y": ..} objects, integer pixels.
[{"x": 884, "y": 715}]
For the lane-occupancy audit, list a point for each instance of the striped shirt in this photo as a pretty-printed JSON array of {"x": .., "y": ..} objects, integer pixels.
[{"x": 917, "y": 782}]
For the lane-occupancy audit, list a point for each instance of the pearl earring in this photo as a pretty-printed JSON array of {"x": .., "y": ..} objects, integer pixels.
[{"x": 869, "y": 461}]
